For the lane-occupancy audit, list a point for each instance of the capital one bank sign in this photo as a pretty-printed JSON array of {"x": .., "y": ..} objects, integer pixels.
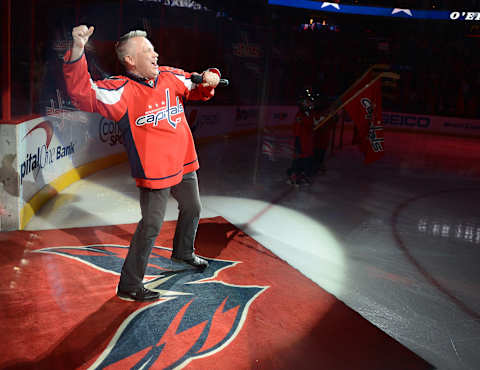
[{"x": 41, "y": 151}]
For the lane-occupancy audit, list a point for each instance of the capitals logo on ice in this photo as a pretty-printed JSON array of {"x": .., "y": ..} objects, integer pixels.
[
  {"x": 154, "y": 116},
  {"x": 376, "y": 142},
  {"x": 197, "y": 316},
  {"x": 43, "y": 155}
]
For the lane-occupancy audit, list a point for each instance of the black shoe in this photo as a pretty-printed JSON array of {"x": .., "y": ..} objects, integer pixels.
[
  {"x": 143, "y": 294},
  {"x": 195, "y": 261}
]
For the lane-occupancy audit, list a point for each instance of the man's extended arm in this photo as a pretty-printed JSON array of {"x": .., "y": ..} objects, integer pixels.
[{"x": 104, "y": 97}]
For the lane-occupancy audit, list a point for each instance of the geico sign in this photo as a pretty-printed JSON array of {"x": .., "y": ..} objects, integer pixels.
[{"x": 405, "y": 120}]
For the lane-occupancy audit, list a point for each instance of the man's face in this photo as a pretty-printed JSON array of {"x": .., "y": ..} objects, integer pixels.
[{"x": 144, "y": 58}]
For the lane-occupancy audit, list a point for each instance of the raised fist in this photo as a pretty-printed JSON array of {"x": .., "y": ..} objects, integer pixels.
[
  {"x": 211, "y": 77},
  {"x": 80, "y": 35}
]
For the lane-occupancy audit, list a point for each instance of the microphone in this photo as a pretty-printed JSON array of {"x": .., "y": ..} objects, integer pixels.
[
  {"x": 223, "y": 82},
  {"x": 198, "y": 79}
]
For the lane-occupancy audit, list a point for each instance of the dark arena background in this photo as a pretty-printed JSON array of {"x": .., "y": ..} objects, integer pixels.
[{"x": 359, "y": 252}]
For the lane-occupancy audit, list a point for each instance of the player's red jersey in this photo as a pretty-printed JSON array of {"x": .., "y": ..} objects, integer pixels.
[
  {"x": 322, "y": 135},
  {"x": 303, "y": 130},
  {"x": 150, "y": 115}
]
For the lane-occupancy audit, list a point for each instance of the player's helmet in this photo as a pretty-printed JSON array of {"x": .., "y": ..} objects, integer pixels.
[{"x": 306, "y": 100}]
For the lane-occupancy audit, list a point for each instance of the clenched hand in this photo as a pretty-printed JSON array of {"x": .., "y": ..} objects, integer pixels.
[{"x": 80, "y": 35}]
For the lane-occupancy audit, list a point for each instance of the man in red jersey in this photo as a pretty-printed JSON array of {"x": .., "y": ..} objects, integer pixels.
[{"x": 147, "y": 105}]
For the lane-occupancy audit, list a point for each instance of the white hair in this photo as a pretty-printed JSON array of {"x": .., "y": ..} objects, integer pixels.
[{"x": 121, "y": 46}]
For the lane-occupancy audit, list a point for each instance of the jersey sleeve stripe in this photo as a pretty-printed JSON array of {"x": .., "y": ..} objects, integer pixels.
[
  {"x": 186, "y": 81},
  {"x": 107, "y": 96}
]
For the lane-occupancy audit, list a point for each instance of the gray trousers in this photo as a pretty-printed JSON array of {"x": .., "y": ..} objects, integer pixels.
[{"x": 153, "y": 203}]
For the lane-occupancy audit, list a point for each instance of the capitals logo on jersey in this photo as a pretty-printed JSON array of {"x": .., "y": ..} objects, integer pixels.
[
  {"x": 197, "y": 315},
  {"x": 157, "y": 115}
]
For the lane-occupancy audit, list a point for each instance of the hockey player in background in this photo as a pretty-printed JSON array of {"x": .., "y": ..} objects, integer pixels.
[
  {"x": 301, "y": 170},
  {"x": 322, "y": 135}
]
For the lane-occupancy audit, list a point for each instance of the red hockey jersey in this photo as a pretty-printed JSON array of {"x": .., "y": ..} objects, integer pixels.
[
  {"x": 303, "y": 132},
  {"x": 150, "y": 115}
]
